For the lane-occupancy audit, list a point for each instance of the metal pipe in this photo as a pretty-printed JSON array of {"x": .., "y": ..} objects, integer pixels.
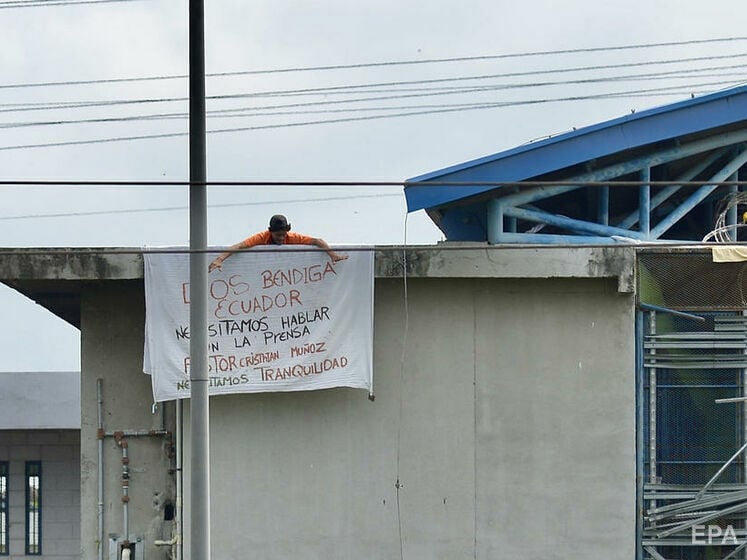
[
  {"x": 701, "y": 520},
  {"x": 744, "y": 414},
  {"x": 137, "y": 433},
  {"x": 568, "y": 240},
  {"x": 198, "y": 375},
  {"x": 179, "y": 523},
  {"x": 644, "y": 202},
  {"x": 720, "y": 471},
  {"x": 495, "y": 221},
  {"x": 603, "y": 206},
  {"x": 570, "y": 223},
  {"x": 100, "y": 467},
  {"x": 661, "y": 196},
  {"x": 125, "y": 491},
  {"x": 733, "y": 553},
  {"x": 652, "y": 410},
  {"x": 639, "y": 395},
  {"x": 684, "y": 315},
  {"x": 699, "y": 195},
  {"x": 731, "y": 214}
]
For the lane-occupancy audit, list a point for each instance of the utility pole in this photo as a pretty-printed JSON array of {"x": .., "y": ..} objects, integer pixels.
[{"x": 198, "y": 373}]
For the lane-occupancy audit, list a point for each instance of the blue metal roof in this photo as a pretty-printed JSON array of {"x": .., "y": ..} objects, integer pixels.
[{"x": 532, "y": 160}]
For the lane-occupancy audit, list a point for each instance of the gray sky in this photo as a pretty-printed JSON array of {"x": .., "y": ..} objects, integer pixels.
[{"x": 95, "y": 42}]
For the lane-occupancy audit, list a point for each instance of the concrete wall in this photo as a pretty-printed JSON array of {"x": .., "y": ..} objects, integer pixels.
[
  {"x": 509, "y": 422},
  {"x": 505, "y": 407},
  {"x": 40, "y": 400},
  {"x": 59, "y": 452},
  {"x": 112, "y": 320}
]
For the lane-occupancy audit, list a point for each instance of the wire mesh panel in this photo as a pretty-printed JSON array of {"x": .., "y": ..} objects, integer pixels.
[
  {"x": 690, "y": 280},
  {"x": 695, "y": 491}
]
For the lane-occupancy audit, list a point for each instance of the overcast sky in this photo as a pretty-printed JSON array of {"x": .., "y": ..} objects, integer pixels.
[{"x": 487, "y": 102}]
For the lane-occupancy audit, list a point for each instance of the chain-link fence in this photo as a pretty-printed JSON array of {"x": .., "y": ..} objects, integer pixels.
[{"x": 690, "y": 362}]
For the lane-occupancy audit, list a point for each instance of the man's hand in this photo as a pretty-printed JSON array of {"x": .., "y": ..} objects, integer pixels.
[
  {"x": 337, "y": 257},
  {"x": 215, "y": 264}
]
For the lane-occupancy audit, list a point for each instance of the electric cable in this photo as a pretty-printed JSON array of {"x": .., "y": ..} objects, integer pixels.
[
  {"x": 241, "y": 112},
  {"x": 327, "y": 121},
  {"x": 327, "y": 90},
  {"x": 49, "y": 3},
  {"x": 380, "y": 64},
  {"x": 173, "y": 208}
]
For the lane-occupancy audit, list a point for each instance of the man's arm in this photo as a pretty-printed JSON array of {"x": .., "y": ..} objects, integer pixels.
[
  {"x": 322, "y": 244},
  {"x": 218, "y": 261}
]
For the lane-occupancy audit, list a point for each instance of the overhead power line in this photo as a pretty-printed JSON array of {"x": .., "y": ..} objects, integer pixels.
[
  {"x": 210, "y": 207},
  {"x": 49, "y": 3},
  {"x": 368, "y": 64},
  {"x": 304, "y": 108},
  {"x": 327, "y": 90},
  {"x": 638, "y": 93},
  {"x": 359, "y": 98}
]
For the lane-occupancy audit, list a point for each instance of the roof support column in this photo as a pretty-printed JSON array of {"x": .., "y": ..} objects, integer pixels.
[
  {"x": 662, "y": 195},
  {"x": 495, "y": 222},
  {"x": 731, "y": 215},
  {"x": 644, "y": 202},
  {"x": 603, "y": 205}
]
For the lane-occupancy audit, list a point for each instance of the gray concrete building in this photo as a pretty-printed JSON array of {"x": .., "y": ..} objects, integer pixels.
[
  {"x": 562, "y": 378},
  {"x": 40, "y": 450},
  {"x": 503, "y": 422}
]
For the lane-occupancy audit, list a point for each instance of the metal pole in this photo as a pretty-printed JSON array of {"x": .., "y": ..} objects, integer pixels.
[
  {"x": 603, "y": 206},
  {"x": 653, "y": 479},
  {"x": 198, "y": 371},
  {"x": 731, "y": 215},
  {"x": 639, "y": 406},
  {"x": 744, "y": 413},
  {"x": 100, "y": 436},
  {"x": 644, "y": 203}
]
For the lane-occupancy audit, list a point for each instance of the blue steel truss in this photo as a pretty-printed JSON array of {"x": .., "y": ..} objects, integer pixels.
[{"x": 699, "y": 143}]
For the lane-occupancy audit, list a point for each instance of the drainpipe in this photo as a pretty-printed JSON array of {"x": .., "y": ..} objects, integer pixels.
[
  {"x": 100, "y": 436},
  {"x": 125, "y": 492},
  {"x": 122, "y": 442},
  {"x": 119, "y": 437}
]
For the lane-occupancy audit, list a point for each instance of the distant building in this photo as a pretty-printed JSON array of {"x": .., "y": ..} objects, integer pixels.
[{"x": 40, "y": 465}]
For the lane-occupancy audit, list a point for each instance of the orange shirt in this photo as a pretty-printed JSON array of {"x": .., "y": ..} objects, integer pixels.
[{"x": 265, "y": 238}]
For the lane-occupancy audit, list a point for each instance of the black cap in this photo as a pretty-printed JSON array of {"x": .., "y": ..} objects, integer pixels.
[{"x": 279, "y": 223}]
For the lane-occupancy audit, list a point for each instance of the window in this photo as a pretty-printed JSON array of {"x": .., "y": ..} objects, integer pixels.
[
  {"x": 4, "y": 508},
  {"x": 33, "y": 508}
]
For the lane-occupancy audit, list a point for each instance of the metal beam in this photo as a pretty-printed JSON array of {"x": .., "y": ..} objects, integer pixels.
[
  {"x": 655, "y": 555},
  {"x": 701, "y": 520},
  {"x": 551, "y": 239},
  {"x": 603, "y": 206},
  {"x": 644, "y": 202},
  {"x": 698, "y": 196},
  {"x": 496, "y": 207},
  {"x": 661, "y": 157},
  {"x": 570, "y": 223},
  {"x": 662, "y": 195}
]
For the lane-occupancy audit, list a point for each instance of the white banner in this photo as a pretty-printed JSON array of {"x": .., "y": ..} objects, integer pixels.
[{"x": 279, "y": 319}]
